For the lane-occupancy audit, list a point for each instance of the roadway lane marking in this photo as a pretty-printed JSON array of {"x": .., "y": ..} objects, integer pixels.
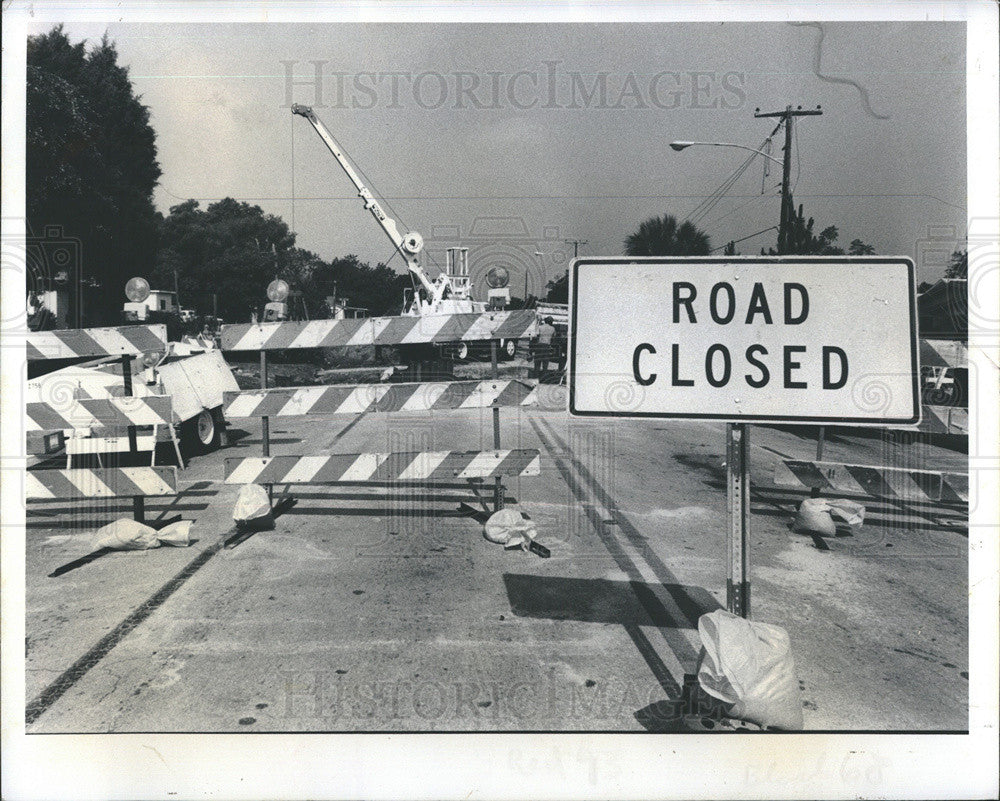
[
  {"x": 648, "y": 581},
  {"x": 65, "y": 681}
]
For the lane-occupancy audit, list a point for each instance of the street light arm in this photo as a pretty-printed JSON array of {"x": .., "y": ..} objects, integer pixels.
[{"x": 681, "y": 145}]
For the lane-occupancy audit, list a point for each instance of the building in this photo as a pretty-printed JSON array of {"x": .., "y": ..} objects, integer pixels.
[{"x": 159, "y": 300}]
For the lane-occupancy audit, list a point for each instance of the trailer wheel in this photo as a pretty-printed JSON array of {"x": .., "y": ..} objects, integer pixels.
[
  {"x": 462, "y": 351},
  {"x": 201, "y": 433},
  {"x": 508, "y": 350}
]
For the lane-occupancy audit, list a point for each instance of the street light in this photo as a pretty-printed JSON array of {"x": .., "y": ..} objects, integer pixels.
[
  {"x": 786, "y": 193},
  {"x": 678, "y": 146}
]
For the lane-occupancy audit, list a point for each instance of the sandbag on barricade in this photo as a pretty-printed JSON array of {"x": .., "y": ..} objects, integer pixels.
[
  {"x": 130, "y": 535},
  {"x": 750, "y": 665},
  {"x": 253, "y": 509}
]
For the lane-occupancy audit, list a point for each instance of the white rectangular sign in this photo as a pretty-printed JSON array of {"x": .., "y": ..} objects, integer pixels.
[{"x": 747, "y": 339}]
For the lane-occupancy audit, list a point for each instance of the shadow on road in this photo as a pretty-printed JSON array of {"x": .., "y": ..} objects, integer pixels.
[{"x": 604, "y": 601}]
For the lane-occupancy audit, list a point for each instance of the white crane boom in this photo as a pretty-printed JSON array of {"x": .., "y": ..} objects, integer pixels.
[{"x": 409, "y": 244}]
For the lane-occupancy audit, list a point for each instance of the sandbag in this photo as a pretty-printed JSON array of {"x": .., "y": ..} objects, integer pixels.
[
  {"x": 176, "y": 534},
  {"x": 130, "y": 535},
  {"x": 851, "y": 512},
  {"x": 750, "y": 665},
  {"x": 253, "y": 509},
  {"x": 508, "y": 527},
  {"x": 813, "y": 517},
  {"x": 126, "y": 535}
]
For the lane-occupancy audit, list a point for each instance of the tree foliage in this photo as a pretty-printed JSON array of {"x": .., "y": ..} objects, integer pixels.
[
  {"x": 657, "y": 236},
  {"x": 235, "y": 250},
  {"x": 958, "y": 265},
  {"x": 231, "y": 249},
  {"x": 378, "y": 289},
  {"x": 90, "y": 161},
  {"x": 662, "y": 236},
  {"x": 803, "y": 242},
  {"x": 557, "y": 290}
]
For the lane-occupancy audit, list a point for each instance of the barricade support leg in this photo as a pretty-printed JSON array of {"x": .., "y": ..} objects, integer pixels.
[
  {"x": 265, "y": 425},
  {"x": 138, "y": 502},
  {"x": 498, "y": 489}
]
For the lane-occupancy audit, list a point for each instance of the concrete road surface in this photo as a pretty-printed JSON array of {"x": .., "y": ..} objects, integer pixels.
[{"x": 385, "y": 609}]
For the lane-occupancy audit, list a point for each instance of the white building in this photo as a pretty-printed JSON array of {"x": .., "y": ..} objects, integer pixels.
[{"x": 160, "y": 300}]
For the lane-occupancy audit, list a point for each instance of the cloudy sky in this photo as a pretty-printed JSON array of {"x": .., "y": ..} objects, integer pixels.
[{"x": 517, "y": 137}]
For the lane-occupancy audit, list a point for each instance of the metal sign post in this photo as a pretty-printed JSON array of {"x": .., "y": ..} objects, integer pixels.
[
  {"x": 742, "y": 340},
  {"x": 738, "y": 533}
]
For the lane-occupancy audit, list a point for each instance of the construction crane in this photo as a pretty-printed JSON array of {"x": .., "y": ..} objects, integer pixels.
[{"x": 446, "y": 294}]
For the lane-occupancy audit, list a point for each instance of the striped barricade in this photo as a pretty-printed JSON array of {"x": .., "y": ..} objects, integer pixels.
[
  {"x": 881, "y": 482},
  {"x": 939, "y": 358},
  {"x": 149, "y": 410},
  {"x": 404, "y": 330},
  {"x": 365, "y": 398},
  {"x": 426, "y": 466},
  {"x": 943, "y": 420},
  {"x": 944, "y": 353},
  {"x": 108, "y": 482},
  {"x": 99, "y": 425},
  {"x": 93, "y": 342},
  {"x": 419, "y": 466},
  {"x": 72, "y": 412}
]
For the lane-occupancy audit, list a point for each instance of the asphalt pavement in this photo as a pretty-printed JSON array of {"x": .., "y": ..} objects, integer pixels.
[{"x": 385, "y": 609}]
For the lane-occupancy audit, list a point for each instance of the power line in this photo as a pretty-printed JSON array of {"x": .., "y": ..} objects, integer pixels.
[{"x": 744, "y": 239}]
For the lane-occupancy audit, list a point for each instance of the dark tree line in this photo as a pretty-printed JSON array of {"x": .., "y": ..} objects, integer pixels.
[
  {"x": 91, "y": 171},
  {"x": 90, "y": 163},
  {"x": 665, "y": 236},
  {"x": 235, "y": 250}
]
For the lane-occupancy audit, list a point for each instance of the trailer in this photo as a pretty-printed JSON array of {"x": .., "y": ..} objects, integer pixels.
[{"x": 193, "y": 373}]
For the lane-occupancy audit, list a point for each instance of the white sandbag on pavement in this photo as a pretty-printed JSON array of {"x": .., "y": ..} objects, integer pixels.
[
  {"x": 815, "y": 515},
  {"x": 177, "y": 534},
  {"x": 511, "y": 529},
  {"x": 851, "y": 512},
  {"x": 750, "y": 665},
  {"x": 253, "y": 509},
  {"x": 130, "y": 535}
]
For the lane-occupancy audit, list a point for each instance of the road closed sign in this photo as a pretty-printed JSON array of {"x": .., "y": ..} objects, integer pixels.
[{"x": 781, "y": 339}]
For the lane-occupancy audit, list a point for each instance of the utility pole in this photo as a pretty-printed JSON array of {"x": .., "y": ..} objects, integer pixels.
[
  {"x": 787, "y": 207},
  {"x": 576, "y": 245}
]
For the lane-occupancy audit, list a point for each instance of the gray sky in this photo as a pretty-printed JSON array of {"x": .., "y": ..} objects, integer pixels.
[{"x": 885, "y": 163}]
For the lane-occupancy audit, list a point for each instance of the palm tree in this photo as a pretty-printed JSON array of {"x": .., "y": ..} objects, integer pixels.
[{"x": 662, "y": 236}]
